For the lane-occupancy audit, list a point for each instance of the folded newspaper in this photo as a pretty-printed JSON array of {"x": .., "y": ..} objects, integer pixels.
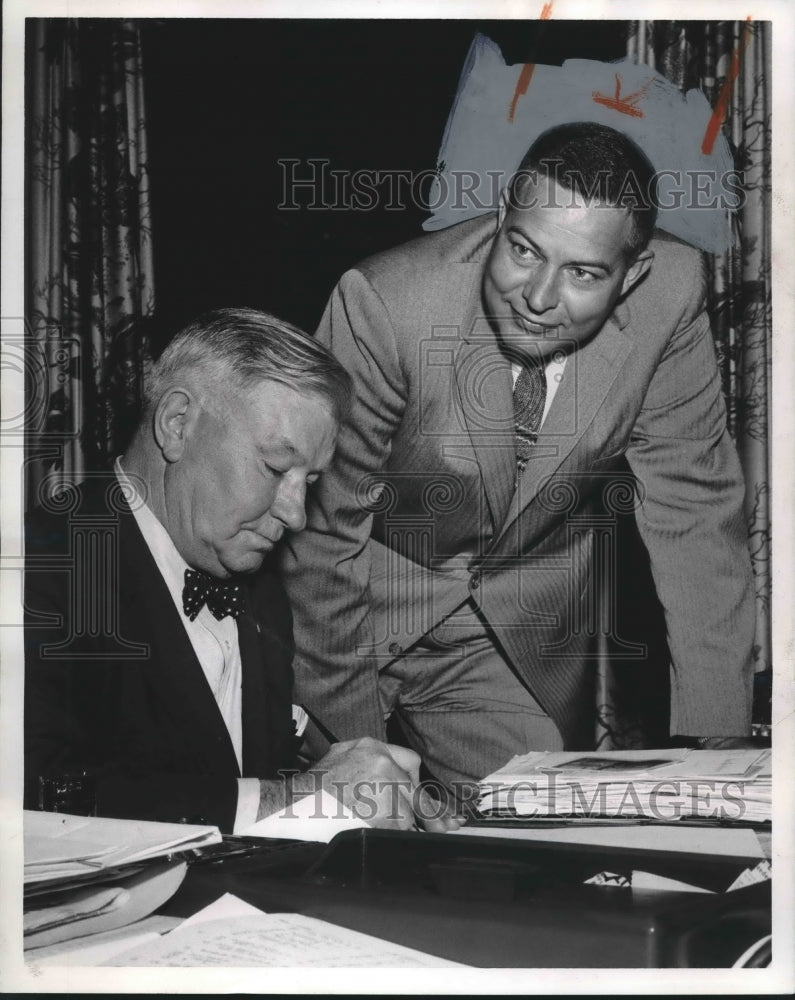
[{"x": 718, "y": 785}]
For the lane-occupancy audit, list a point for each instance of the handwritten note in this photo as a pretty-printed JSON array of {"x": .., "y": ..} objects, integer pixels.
[{"x": 287, "y": 940}]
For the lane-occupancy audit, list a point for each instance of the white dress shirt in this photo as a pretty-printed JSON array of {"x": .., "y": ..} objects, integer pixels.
[{"x": 214, "y": 642}]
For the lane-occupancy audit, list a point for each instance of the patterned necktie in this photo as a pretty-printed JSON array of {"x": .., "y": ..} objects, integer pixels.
[
  {"x": 221, "y": 596},
  {"x": 529, "y": 396}
]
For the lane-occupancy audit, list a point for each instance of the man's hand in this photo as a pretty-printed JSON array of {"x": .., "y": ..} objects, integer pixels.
[{"x": 380, "y": 784}]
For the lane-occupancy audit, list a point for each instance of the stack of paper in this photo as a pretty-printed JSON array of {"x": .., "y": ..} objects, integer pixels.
[
  {"x": 718, "y": 785},
  {"x": 125, "y": 897},
  {"x": 60, "y": 846}
]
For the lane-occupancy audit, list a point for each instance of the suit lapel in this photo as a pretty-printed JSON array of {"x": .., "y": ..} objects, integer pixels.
[
  {"x": 256, "y": 708},
  {"x": 266, "y": 650},
  {"x": 483, "y": 377},
  {"x": 178, "y": 676},
  {"x": 589, "y": 374}
]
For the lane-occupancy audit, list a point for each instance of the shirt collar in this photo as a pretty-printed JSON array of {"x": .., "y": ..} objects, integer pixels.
[{"x": 170, "y": 563}]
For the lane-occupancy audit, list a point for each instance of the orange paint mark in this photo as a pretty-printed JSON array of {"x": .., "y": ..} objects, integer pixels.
[
  {"x": 521, "y": 87},
  {"x": 626, "y": 105},
  {"x": 725, "y": 96},
  {"x": 527, "y": 70}
]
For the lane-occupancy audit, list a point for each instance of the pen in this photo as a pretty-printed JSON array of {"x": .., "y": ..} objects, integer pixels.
[
  {"x": 324, "y": 731},
  {"x": 327, "y": 734}
]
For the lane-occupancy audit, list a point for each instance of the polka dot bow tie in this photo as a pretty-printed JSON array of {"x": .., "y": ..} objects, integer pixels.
[{"x": 221, "y": 596}]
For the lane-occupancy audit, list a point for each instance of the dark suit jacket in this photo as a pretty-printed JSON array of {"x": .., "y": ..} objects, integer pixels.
[
  {"x": 420, "y": 510},
  {"x": 112, "y": 683}
]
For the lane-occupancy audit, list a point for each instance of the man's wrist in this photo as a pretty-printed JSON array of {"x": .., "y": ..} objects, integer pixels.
[
  {"x": 303, "y": 783},
  {"x": 282, "y": 792}
]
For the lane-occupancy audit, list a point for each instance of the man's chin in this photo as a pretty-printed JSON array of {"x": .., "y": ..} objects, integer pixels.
[
  {"x": 244, "y": 562},
  {"x": 532, "y": 347}
]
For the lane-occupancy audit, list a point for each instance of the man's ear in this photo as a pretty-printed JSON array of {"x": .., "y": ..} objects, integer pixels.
[
  {"x": 637, "y": 269},
  {"x": 503, "y": 207},
  {"x": 175, "y": 415}
]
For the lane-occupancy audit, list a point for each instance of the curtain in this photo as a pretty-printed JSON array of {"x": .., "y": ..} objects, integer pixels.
[
  {"x": 89, "y": 274},
  {"x": 730, "y": 62}
]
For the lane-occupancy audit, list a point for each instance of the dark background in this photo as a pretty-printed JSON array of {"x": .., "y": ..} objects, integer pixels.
[{"x": 226, "y": 99}]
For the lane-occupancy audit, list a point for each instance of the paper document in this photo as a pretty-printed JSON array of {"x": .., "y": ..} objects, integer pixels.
[
  {"x": 258, "y": 940},
  {"x": 59, "y": 846},
  {"x": 739, "y": 842},
  {"x": 123, "y": 899},
  {"x": 763, "y": 872},
  {"x": 721, "y": 785},
  {"x": 94, "y": 949},
  {"x": 648, "y": 880},
  {"x": 77, "y": 906},
  {"x": 223, "y": 908},
  {"x": 319, "y": 817}
]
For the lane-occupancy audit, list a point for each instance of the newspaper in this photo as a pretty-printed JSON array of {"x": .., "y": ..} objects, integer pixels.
[{"x": 713, "y": 785}]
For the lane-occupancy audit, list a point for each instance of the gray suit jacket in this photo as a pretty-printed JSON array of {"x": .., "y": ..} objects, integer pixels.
[{"x": 421, "y": 509}]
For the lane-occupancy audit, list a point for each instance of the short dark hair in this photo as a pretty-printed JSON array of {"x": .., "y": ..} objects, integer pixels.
[
  {"x": 240, "y": 348},
  {"x": 601, "y": 164}
]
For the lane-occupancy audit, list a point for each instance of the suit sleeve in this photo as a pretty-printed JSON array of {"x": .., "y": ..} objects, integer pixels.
[
  {"x": 691, "y": 520},
  {"x": 327, "y": 566}
]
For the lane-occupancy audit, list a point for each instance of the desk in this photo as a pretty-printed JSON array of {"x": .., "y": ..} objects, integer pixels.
[{"x": 493, "y": 903}]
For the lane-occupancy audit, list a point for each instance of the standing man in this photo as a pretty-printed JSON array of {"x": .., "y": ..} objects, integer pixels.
[
  {"x": 158, "y": 637},
  {"x": 502, "y": 368}
]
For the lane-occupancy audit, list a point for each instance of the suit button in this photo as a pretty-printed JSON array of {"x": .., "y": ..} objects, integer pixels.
[
  {"x": 394, "y": 648},
  {"x": 474, "y": 581}
]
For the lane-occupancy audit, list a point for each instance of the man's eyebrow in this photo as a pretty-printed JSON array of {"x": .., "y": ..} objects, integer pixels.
[
  {"x": 600, "y": 264},
  {"x": 281, "y": 444}
]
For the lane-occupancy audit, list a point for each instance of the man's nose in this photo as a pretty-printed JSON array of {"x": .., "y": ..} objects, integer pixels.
[
  {"x": 541, "y": 290},
  {"x": 289, "y": 506}
]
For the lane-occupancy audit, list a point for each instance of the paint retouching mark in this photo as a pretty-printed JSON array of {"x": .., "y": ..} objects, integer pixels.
[
  {"x": 725, "y": 96},
  {"x": 626, "y": 105},
  {"x": 527, "y": 70}
]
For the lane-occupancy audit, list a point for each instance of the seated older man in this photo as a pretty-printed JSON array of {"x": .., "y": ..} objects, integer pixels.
[{"x": 158, "y": 637}]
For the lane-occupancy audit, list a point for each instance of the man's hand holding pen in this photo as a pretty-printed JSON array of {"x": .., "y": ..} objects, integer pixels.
[{"x": 377, "y": 782}]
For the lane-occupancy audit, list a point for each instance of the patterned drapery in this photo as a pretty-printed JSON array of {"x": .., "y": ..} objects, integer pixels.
[
  {"x": 730, "y": 61},
  {"x": 89, "y": 254}
]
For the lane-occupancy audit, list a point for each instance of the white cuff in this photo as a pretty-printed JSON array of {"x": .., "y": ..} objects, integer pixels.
[{"x": 247, "y": 803}]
